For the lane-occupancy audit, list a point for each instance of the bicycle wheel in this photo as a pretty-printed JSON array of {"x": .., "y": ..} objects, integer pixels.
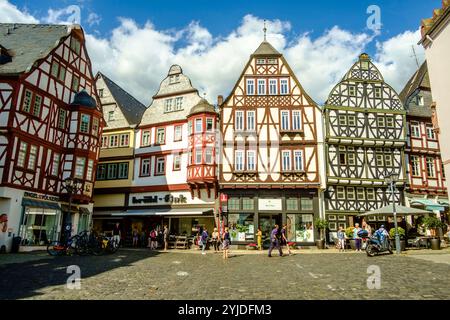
[
  {"x": 55, "y": 248},
  {"x": 97, "y": 247},
  {"x": 113, "y": 246}
]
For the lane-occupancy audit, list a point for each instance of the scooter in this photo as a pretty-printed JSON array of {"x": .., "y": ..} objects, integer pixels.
[{"x": 375, "y": 247}]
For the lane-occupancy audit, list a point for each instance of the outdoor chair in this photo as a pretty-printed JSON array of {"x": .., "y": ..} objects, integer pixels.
[{"x": 418, "y": 243}]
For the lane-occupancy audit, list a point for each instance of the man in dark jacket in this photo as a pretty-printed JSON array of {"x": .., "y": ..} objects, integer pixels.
[{"x": 275, "y": 241}]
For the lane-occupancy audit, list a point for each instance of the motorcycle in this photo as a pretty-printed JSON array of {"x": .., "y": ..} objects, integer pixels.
[{"x": 375, "y": 247}]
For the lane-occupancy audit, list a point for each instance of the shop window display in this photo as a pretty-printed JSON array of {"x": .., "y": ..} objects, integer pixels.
[
  {"x": 300, "y": 227},
  {"x": 241, "y": 227},
  {"x": 40, "y": 226}
]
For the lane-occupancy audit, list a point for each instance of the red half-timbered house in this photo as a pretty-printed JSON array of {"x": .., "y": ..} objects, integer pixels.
[{"x": 50, "y": 124}]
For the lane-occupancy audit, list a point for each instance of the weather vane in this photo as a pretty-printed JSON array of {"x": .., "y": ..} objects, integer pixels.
[{"x": 265, "y": 29}]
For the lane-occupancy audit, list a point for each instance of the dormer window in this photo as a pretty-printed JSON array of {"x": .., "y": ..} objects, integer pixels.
[
  {"x": 100, "y": 93},
  {"x": 420, "y": 101},
  {"x": 272, "y": 61},
  {"x": 365, "y": 65},
  {"x": 174, "y": 79},
  {"x": 111, "y": 116},
  {"x": 260, "y": 61}
]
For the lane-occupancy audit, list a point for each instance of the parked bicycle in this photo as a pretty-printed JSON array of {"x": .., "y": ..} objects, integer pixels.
[{"x": 59, "y": 248}]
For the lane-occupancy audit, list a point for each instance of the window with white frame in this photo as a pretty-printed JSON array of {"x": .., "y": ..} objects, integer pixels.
[
  {"x": 340, "y": 193},
  {"x": 415, "y": 130},
  {"x": 160, "y": 165},
  {"x": 146, "y": 141},
  {"x": 124, "y": 140},
  {"x": 360, "y": 194},
  {"x": 113, "y": 141},
  {"x": 198, "y": 125},
  {"x": 378, "y": 92},
  {"x": 251, "y": 160},
  {"x": 123, "y": 171},
  {"x": 370, "y": 194},
  {"x": 250, "y": 120},
  {"x": 415, "y": 166},
  {"x": 145, "y": 167},
  {"x": 296, "y": 120},
  {"x": 272, "y": 86},
  {"x": 261, "y": 87},
  {"x": 168, "y": 105},
  {"x": 351, "y": 193},
  {"x": 388, "y": 159},
  {"x": 389, "y": 121},
  {"x": 84, "y": 123},
  {"x": 430, "y": 132},
  {"x": 284, "y": 120},
  {"x": 379, "y": 157},
  {"x": 32, "y": 157},
  {"x": 209, "y": 156},
  {"x": 104, "y": 142},
  {"x": 298, "y": 160},
  {"x": 420, "y": 101},
  {"x": 239, "y": 121},
  {"x": 79, "y": 167},
  {"x": 22, "y": 154},
  {"x": 250, "y": 87},
  {"x": 95, "y": 124},
  {"x": 90, "y": 170},
  {"x": 284, "y": 86},
  {"x": 351, "y": 120},
  {"x": 286, "y": 160},
  {"x": 176, "y": 162},
  {"x": 239, "y": 160},
  {"x": 62, "y": 118},
  {"x": 111, "y": 116},
  {"x": 431, "y": 170},
  {"x": 55, "y": 164},
  {"x": 178, "y": 133},
  {"x": 342, "y": 118},
  {"x": 198, "y": 156},
  {"x": 381, "y": 122},
  {"x": 209, "y": 124},
  {"x": 160, "y": 135},
  {"x": 352, "y": 90},
  {"x": 178, "y": 103}
]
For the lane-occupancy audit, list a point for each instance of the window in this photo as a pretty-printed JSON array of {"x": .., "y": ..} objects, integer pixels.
[
  {"x": 431, "y": 172},
  {"x": 420, "y": 101},
  {"x": 381, "y": 123},
  {"x": 62, "y": 118},
  {"x": 388, "y": 158},
  {"x": 198, "y": 125},
  {"x": 379, "y": 158},
  {"x": 146, "y": 138},
  {"x": 239, "y": 125},
  {"x": 112, "y": 171},
  {"x": 160, "y": 135},
  {"x": 296, "y": 120},
  {"x": 168, "y": 105},
  {"x": 75, "y": 45},
  {"x": 342, "y": 156},
  {"x": 250, "y": 120},
  {"x": 37, "y": 105},
  {"x": 272, "y": 61},
  {"x": 55, "y": 69},
  {"x": 273, "y": 86},
  {"x": 58, "y": 71},
  {"x": 104, "y": 142},
  {"x": 261, "y": 87},
  {"x": 298, "y": 160},
  {"x": 340, "y": 192},
  {"x": 101, "y": 172},
  {"x": 238, "y": 160},
  {"x": 365, "y": 65},
  {"x": 178, "y": 133},
  {"x": 123, "y": 171},
  {"x": 209, "y": 124},
  {"x": 90, "y": 170},
  {"x": 55, "y": 164},
  {"x": 145, "y": 167},
  {"x": 100, "y": 93},
  {"x": 234, "y": 204},
  {"x": 250, "y": 87},
  {"x": 377, "y": 92},
  {"x": 79, "y": 167},
  {"x": 351, "y": 156},
  {"x": 209, "y": 156},
  {"x": 160, "y": 165},
  {"x": 342, "y": 120},
  {"x": 389, "y": 121},
  {"x": 307, "y": 204},
  {"x": 430, "y": 133},
  {"x": 75, "y": 83},
  {"x": 285, "y": 120},
  {"x": 124, "y": 140},
  {"x": 179, "y": 104},
  {"x": 248, "y": 204},
  {"x": 300, "y": 228},
  {"x": 415, "y": 129},
  {"x": 176, "y": 162},
  {"x": 32, "y": 103},
  {"x": 113, "y": 141},
  {"x": 251, "y": 160},
  {"x": 352, "y": 91},
  {"x": 351, "y": 120},
  {"x": 292, "y": 204},
  {"x": 32, "y": 158},
  {"x": 286, "y": 161},
  {"x": 84, "y": 123},
  {"x": 111, "y": 116},
  {"x": 360, "y": 194},
  {"x": 198, "y": 156},
  {"x": 242, "y": 227},
  {"x": 415, "y": 165},
  {"x": 26, "y": 107},
  {"x": 284, "y": 86},
  {"x": 95, "y": 122},
  {"x": 174, "y": 79},
  {"x": 370, "y": 194},
  {"x": 260, "y": 61},
  {"x": 351, "y": 193}
]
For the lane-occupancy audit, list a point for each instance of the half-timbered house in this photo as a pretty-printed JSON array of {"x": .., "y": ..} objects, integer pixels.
[
  {"x": 50, "y": 125},
  {"x": 270, "y": 159},
  {"x": 365, "y": 142},
  {"x": 427, "y": 187}
]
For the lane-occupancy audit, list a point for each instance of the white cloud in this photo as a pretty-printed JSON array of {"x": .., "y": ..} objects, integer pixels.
[
  {"x": 9, "y": 13},
  {"x": 93, "y": 19},
  {"x": 68, "y": 15}
]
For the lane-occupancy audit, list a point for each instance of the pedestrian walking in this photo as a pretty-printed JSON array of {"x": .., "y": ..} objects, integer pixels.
[
  {"x": 367, "y": 228},
  {"x": 205, "y": 236},
  {"x": 117, "y": 233},
  {"x": 259, "y": 238},
  {"x": 284, "y": 239},
  {"x": 275, "y": 241},
  {"x": 166, "y": 238},
  {"x": 341, "y": 239},
  {"x": 215, "y": 239},
  {"x": 357, "y": 238},
  {"x": 226, "y": 243},
  {"x": 135, "y": 237},
  {"x": 153, "y": 242}
]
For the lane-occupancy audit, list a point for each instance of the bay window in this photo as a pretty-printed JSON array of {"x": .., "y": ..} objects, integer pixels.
[{"x": 84, "y": 123}]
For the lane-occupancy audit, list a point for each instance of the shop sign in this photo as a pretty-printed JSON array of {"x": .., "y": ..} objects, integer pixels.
[
  {"x": 40, "y": 196},
  {"x": 270, "y": 204},
  {"x": 163, "y": 199}
]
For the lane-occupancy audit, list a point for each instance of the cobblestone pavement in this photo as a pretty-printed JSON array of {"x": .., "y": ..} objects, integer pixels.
[{"x": 140, "y": 274}]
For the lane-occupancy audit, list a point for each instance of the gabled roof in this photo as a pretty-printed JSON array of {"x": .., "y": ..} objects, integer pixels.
[
  {"x": 266, "y": 49},
  {"x": 131, "y": 108},
  {"x": 419, "y": 80},
  {"x": 27, "y": 43},
  {"x": 439, "y": 16}
]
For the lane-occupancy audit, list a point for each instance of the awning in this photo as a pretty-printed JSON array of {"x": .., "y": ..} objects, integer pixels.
[
  {"x": 400, "y": 211},
  {"x": 26, "y": 202},
  {"x": 164, "y": 212},
  {"x": 429, "y": 204}
]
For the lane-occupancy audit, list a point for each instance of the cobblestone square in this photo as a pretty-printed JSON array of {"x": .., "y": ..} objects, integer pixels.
[{"x": 140, "y": 274}]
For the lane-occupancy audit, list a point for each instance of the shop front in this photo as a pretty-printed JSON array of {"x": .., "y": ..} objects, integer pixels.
[{"x": 248, "y": 210}]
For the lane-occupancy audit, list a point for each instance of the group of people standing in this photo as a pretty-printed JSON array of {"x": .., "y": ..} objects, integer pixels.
[
  {"x": 381, "y": 233},
  {"x": 216, "y": 240}
]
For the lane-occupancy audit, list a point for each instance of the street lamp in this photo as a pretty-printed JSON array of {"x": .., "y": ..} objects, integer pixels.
[
  {"x": 72, "y": 186},
  {"x": 391, "y": 180}
]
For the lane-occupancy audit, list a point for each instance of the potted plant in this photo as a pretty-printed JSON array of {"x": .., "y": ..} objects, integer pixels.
[
  {"x": 321, "y": 225},
  {"x": 432, "y": 223},
  {"x": 401, "y": 233},
  {"x": 349, "y": 235}
]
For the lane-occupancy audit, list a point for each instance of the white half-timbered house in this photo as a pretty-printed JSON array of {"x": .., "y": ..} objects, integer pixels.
[{"x": 50, "y": 125}]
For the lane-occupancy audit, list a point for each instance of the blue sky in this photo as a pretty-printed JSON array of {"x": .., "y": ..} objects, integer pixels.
[{"x": 321, "y": 39}]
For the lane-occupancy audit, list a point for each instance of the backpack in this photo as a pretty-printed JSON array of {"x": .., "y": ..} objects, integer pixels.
[{"x": 153, "y": 234}]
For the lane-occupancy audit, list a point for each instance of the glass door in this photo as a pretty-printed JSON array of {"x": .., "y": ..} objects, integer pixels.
[{"x": 267, "y": 223}]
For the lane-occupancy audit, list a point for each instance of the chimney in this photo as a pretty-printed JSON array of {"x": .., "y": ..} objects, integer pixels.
[{"x": 219, "y": 100}]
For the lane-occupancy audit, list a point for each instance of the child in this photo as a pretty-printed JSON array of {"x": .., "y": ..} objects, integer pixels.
[{"x": 341, "y": 239}]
